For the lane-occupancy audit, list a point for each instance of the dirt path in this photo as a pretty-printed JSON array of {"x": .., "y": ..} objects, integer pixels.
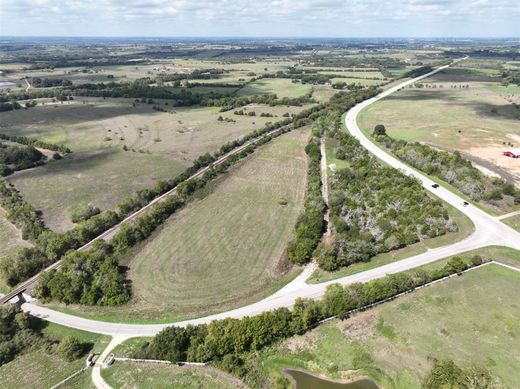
[{"x": 325, "y": 188}]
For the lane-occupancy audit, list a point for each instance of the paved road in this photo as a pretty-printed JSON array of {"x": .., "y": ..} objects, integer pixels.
[{"x": 488, "y": 231}]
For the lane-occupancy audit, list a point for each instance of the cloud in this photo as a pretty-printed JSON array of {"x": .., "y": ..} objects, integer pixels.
[{"x": 260, "y": 17}]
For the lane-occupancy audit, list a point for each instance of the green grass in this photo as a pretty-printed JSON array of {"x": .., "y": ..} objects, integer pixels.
[
  {"x": 280, "y": 86},
  {"x": 224, "y": 250},
  {"x": 393, "y": 343},
  {"x": 141, "y": 375},
  {"x": 41, "y": 369},
  {"x": 513, "y": 221},
  {"x": 161, "y": 144}
]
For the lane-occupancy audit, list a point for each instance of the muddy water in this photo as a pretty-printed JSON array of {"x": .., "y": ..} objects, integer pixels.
[{"x": 305, "y": 380}]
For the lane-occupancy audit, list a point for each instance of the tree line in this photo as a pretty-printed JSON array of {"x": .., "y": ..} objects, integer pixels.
[
  {"x": 310, "y": 224},
  {"x": 20, "y": 332},
  {"x": 453, "y": 169},
  {"x": 14, "y": 158},
  {"x": 24, "y": 140}
]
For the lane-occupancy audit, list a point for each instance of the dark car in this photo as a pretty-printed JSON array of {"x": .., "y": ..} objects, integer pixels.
[
  {"x": 465, "y": 203},
  {"x": 435, "y": 186}
]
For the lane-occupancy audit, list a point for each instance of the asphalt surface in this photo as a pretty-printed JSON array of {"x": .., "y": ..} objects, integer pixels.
[{"x": 488, "y": 231}]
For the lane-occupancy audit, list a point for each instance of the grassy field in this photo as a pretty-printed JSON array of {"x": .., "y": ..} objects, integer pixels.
[
  {"x": 394, "y": 343},
  {"x": 280, "y": 86},
  {"x": 10, "y": 241},
  {"x": 160, "y": 145},
  {"x": 41, "y": 369},
  {"x": 476, "y": 120},
  {"x": 227, "y": 248},
  {"x": 146, "y": 375},
  {"x": 513, "y": 221}
]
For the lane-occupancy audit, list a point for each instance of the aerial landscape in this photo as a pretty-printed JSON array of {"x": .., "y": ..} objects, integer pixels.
[{"x": 317, "y": 194}]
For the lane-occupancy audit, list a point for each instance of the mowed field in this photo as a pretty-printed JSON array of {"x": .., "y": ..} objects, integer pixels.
[
  {"x": 160, "y": 145},
  {"x": 226, "y": 249},
  {"x": 470, "y": 319},
  {"x": 42, "y": 369},
  {"x": 476, "y": 117},
  {"x": 128, "y": 375},
  {"x": 279, "y": 86}
]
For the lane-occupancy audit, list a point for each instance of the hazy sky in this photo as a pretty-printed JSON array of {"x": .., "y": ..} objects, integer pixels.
[{"x": 306, "y": 18}]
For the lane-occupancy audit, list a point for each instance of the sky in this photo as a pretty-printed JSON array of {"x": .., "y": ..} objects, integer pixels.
[{"x": 261, "y": 18}]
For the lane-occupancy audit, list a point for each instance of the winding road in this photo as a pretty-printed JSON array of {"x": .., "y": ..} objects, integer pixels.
[{"x": 488, "y": 231}]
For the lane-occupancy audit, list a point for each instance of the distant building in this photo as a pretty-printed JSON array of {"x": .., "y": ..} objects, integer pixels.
[{"x": 513, "y": 153}]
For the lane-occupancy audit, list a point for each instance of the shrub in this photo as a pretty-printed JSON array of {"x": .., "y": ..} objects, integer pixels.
[
  {"x": 379, "y": 130},
  {"x": 70, "y": 348}
]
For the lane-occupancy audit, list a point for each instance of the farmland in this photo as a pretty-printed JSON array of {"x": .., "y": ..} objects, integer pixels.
[
  {"x": 159, "y": 146},
  {"x": 246, "y": 218},
  {"x": 44, "y": 369},
  {"x": 394, "y": 343},
  {"x": 462, "y": 109}
]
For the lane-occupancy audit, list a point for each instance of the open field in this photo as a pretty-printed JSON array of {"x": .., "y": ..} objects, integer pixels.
[
  {"x": 41, "y": 369},
  {"x": 160, "y": 145},
  {"x": 513, "y": 221},
  {"x": 225, "y": 249},
  {"x": 475, "y": 120},
  {"x": 394, "y": 342},
  {"x": 147, "y": 375},
  {"x": 10, "y": 241},
  {"x": 282, "y": 87}
]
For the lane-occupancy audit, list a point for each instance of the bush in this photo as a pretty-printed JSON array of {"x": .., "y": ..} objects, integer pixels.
[
  {"x": 379, "y": 130},
  {"x": 70, "y": 348},
  {"x": 83, "y": 212},
  {"x": 476, "y": 260}
]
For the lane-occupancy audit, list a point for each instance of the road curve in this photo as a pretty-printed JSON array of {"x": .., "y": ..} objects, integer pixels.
[{"x": 488, "y": 231}]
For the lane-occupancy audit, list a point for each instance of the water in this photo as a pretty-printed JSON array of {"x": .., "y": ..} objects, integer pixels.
[{"x": 305, "y": 380}]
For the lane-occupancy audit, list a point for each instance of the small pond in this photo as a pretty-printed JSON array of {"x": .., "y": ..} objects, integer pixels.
[{"x": 305, "y": 380}]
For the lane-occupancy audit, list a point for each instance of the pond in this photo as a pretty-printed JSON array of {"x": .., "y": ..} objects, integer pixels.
[{"x": 306, "y": 380}]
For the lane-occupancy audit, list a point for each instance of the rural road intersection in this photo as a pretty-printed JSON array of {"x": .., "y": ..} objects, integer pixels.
[{"x": 488, "y": 231}]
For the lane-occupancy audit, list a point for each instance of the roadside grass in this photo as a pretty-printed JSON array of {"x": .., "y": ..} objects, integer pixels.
[
  {"x": 464, "y": 224},
  {"x": 282, "y": 87},
  {"x": 470, "y": 319},
  {"x": 148, "y": 375},
  {"x": 224, "y": 250},
  {"x": 10, "y": 241},
  {"x": 160, "y": 145},
  {"x": 41, "y": 369},
  {"x": 513, "y": 221},
  {"x": 361, "y": 81}
]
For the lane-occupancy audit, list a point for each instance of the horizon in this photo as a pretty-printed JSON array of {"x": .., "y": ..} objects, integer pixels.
[{"x": 253, "y": 18}]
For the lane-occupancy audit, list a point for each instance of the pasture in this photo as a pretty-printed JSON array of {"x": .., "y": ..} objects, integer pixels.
[
  {"x": 282, "y": 87},
  {"x": 42, "y": 369},
  {"x": 394, "y": 343},
  {"x": 147, "y": 375},
  {"x": 160, "y": 145},
  {"x": 224, "y": 250},
  {"x": 479, "y": 120}
]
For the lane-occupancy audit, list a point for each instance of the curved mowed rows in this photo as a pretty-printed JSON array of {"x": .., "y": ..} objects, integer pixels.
[{"x": 229, "y": 246}]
